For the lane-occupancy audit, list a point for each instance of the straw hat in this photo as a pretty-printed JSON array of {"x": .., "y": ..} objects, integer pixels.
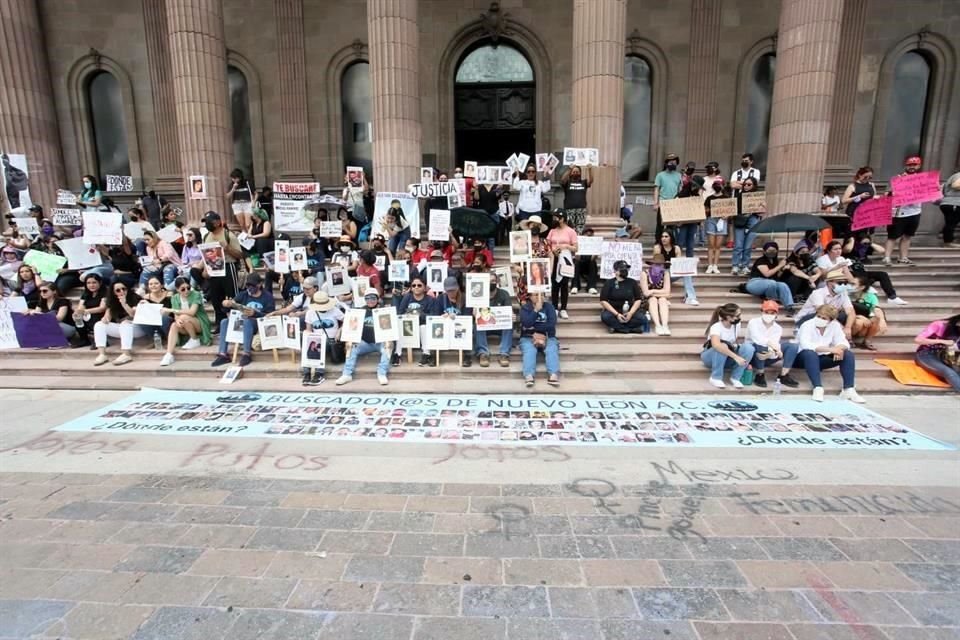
[
  {"x": 531, "y": 221},
  {"x": 322, "y": 302},
  {"x": 346, "y": 240}
]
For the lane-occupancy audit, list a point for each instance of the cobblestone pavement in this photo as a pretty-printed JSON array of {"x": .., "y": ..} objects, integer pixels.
[{"x": 167, "y": 557}]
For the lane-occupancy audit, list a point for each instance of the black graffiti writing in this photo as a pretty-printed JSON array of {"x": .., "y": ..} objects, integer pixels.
[
  {"x": 672, "y": 469},
  {"x": 864, "y": 504},
  {"x": 498, "y": 453}
]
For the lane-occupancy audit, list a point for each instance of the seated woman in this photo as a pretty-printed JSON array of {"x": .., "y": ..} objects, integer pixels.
[
  {"x": 655, "y": 286},
  {"x": 833, "y": 260},
  {"x": 721, "y": 351},
  {"x": 191, "y": 257},
  {"x": 90, "y": 307},
  {"x": 28, "y": 285},
  {"x": 857, "y": 250},
  {"x": 190, "y": 325},
  {"x": 9, "y": 265},
  {"x": 117, "y": 322},
  {"x": 666, "y": 247},
  {"x": 622, "y": 302},
  {"x": 164, "y": 260},
  {"x": 823, "y": 345},
  {"x": 156, "y": 294},
  {"x": 766, "y": 336},
  {"x": 802, "y": 271},
  {"x": 324, "y": 315},
  {"x": 538, "y": 332},
  {"x": 416, "y": 302},
  {"x": 767, "y": 274},
  {"x": 51, "y": 302},
  {"x": 870, "y": 320},
  {"x": 940, "y": 341}
]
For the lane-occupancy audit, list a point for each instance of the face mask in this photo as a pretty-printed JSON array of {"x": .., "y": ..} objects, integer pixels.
[
  {"x": 768, "y": 318},
  {"x": 744, "y": 163},
  {"x": 458, "y": 175},
  {"x": 736, "y": 320},
  {"x": 623, "y": 273},
  {"x": 689, "y": 171},
  {"x": 409, "y": 249},
  {"x": 252, "y": 289},
  {"x": 820, "y": 323},
  {"x": 210, "y": 226},
  {"x": 46, "y": 230},
  {"x": 842, "y": 288},
  {"x": 671, "y": 166},
  {"x": 344, "y": 248},
  {"x": 771, "y": 254},
  {"x": 87, "y": 184}
]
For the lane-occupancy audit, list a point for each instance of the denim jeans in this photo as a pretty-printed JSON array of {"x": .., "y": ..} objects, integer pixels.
[
  {"x": 689, "y": 291},
  {"x": 930, "y": 362},
  {"x": 362, "y": 349},
  {"x": 140, "y": 246},
  {"x": 814, "y": 363},
  {"x": 167, "y": 272},
  {"x": 105, "y": 271},
  {"x": 637, "y": 324},
  {"x": 770, "y": 290},
  {"x": 551, "y": 354},
  {"x": 397, "y": 241},
  {"x": 249, "y": 330},
  {"x": 480, "y": 342},
  {"x": 164, "y": 328},
  {"x": 742, "y": 243},
  {"x": 687, "y": 237},
  {"x": 718, "y": 362},
  {"x": 789, "y": 350}
]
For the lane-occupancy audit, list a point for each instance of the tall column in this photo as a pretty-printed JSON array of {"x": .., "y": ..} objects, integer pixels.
[
  {"x": 28, "y": 121},
  {"x": 164, "y": 106},
  {"x": 199, "y": 59},
  {"x": 845, "y": 90},
  {"x": 807, "y": 45},
  {"x": 292, "y": 75},
  {"x": 395, "y": 81},
  {"x": 599, "y": 33},
  {"x": 702, "y": 80}
]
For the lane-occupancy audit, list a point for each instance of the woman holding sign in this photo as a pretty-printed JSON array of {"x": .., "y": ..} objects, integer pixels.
[
  {"x": 531, "y": 191},
  {"x": 743, "y": 237},
  {"x": 190, "y": 325},
  {"x": 51, "y": 302}
]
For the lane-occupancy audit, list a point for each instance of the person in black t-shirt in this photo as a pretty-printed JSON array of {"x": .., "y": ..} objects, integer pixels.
[
  {"x": 368, "y": 344},
  {"x": 575, "y": 196},
  {"x": 767, "y": 274},
  {"x": 51, "y": 302},
  {"x": 621, "y": 302}
]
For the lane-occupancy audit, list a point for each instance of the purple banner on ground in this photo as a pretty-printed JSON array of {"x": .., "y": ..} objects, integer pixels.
[{"x": 41, "y": 331}]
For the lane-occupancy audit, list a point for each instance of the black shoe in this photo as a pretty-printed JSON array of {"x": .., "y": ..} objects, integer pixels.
[
  {"x": 219, "y": 361},
  {"x": 760, "y": 380},
  {"x": 467, "y": 361},
  {"x": 306, "y": 379},
  {"x": 788, "y": 381},
  {"x": 395, "y": 359},
  {"x": 245, "y": 359},
  {"x": 425, "y": 360}
]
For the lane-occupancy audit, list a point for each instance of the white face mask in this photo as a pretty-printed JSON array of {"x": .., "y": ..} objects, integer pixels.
[
  {"x": 458, "y": 175},
  {"x": 768, "y": 318},
  {"x": 820, "y": 323}
]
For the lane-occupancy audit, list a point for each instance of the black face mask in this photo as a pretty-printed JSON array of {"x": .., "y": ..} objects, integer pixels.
[
  {"x": 744, "y": 164},
  {"x": 689, "y": 171},
  {"x": 671, "y": 166},
  {"x": 210, "y": 226},
  {"x": 623, "y": 273}
]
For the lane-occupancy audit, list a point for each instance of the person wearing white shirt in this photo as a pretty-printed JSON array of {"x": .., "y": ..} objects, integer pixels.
[
  {"x": 766, "y": 336},
  {"x": 746, "y": 170},
  {"x": 531, "y": 192},
  {"x": 906, "y": 221},
  {"x": 823, "y": 345},
  {"x": 835, "y": 294},
  {"x": 833, "y": 259},
  {"x": 721, "y": 350}
]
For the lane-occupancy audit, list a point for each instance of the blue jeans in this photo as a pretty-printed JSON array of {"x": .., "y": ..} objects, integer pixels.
[
  {"x": 362, "y": 349},
  {"x": 930, "y": 362},
  {"x": 689, "y": 292},
  {"x": 742, "y": 243},
  {"x": 167, "y": 272},
  {"x": 480, "y": 342},
  {"x": 718, "y": 362},
  {"x": 815, "y": 362},
  {"x": 140, "y": 246},
  {"x": 249, "y": 330},
  {"x": 164, "y": 328},
  {"x": 770, "y": 290},
  {"x": 105, "y": 271},
  {"x": 789, "y": 350},
  {"x": 687, "y": 237},
  {"x": 398, "y": 240},
  {"x": 551, "y": 354}
]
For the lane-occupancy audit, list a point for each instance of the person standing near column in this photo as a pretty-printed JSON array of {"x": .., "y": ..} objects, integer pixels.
[
  {"x": 575, "y": 196},
  {"x": 531, "y": 191},
  {"x": 222, "y": 287},
  {"x": 906, "y": 221},
  {"x": 746, "y": 170},
  {"x": 666, "y": 186},
  {"x": 950, "y": 206}
]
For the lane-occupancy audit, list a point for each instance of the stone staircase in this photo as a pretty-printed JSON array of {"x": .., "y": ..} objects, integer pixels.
[{"x": 592, "y": 360}]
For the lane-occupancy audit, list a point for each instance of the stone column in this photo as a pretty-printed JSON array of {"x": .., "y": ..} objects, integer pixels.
[
  {"x": 807, "y": 44},
  {"x": 395, "y": 84},
  {"x": 28, "y": 121},
  {"x": 199, "y": 60},
  {"x": 599, "y": 33},
  {"x": 164, "y": 106},
  {"x": 845, "y": 91},
  {"x": 705, "y": 34},
  {"x": 292, "y": 76}
]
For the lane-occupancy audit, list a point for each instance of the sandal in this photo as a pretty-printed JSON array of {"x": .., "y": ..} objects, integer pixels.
[{"x": 869, "y": 346}]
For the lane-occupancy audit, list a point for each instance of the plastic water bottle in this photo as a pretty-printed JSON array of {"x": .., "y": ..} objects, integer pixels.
[
  {"x": 157, "y": 343},
  {"x": 78, "y": 320},
  {"x": 777, "y": 387}
]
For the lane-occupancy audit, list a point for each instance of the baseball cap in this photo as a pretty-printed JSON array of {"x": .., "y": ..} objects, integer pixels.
[
  {"x": 372, "y": 293},
  {"x": 35, "y": 208},
  {"x": 212, "y": 216},
  {"x": 254, "y": 279},
  {"x": 913, "y": 160},
  {"x": 450, "y": 284},
  {"x": 770, "y": 305},
  {"x": 436, "y": 253}
]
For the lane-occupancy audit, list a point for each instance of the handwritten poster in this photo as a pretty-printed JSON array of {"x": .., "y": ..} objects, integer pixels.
[
  {"x": 27, "y": 226},
  {"x": 119, "y": 183},
  {"x": 632, "y": 252},
  {"x": 103, "y": 227},
  {"x": 8, "y": 333},
  {"x": 723, "y": 207},
  {"x": 875, "y": 212},
  {"x": 329, "y": 229},
  {"x": 66, "y": 217},
  {"x": 148, "y": 313},
  {"x": 439, "y": 225},
  {"x": 679, "y": 210},
  {"x": 66, "y": 197},
  {"x": 589, "y": 245},
  {"x": 46, "y": 264},
  {"x": 683, "y": 267},
  {"x": 753, "y": 202},
  {"x": 915, "y": 188}
]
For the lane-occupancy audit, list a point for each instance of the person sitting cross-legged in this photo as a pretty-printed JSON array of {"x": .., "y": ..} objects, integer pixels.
[
  {"x": 823, "y": 345},
  {"x": 368, "y": 344},
  {"x": 622, "y": 302},
  {"x": 766, "y": 336},
  {"x": 254, "y": 302}
]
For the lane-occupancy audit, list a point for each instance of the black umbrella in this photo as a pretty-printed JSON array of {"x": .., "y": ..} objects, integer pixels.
[
  {"x": 788, "y": 222},
  {"x": 471, "y": 223}
]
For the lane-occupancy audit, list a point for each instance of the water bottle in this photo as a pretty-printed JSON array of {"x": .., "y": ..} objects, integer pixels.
[
  {"x": 78, "y": 320},
  {"x": 626, "y": 307},
  {"x": 777, "y": 387},
  {"x": 747, "y": 377},
  {"x": 157, "y": 343}
]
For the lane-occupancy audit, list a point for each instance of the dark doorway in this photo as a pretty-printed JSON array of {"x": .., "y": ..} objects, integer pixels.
[{"x": 494, "y": 105}]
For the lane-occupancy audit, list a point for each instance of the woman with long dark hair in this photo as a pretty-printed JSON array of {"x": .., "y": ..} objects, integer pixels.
[
  {"x": 241, "y": 199},
  {"x": 117, "y": 322},
  {"x": 937, "y": 346},
  {"x": 91, "y": 196},
  {"x": 722, "y": 349}
]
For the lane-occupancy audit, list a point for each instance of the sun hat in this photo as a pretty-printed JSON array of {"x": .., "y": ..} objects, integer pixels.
[
  {"x": 836, "y": 274},
  {"x": 322, "y": 302},
  {"x": 533, "y": 220},
  {"x": 346, "y": 240}
]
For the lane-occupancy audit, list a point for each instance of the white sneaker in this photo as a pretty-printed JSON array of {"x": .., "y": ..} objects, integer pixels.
[
  {"x": 564, "y": 314},
  {"x": 659, "y": 330},
  {"x": 167, "y": 360},
  {"x": 693, "y": 302},
  {"x": 344, "y": 379},
  {"x": 666, "y": 331},
  {"x": 192, "y": 343},
  {"x": 592, "y": 292},
  {"x": 898, "y": 301},
  {"x": 887, "y": 262},
  {"x": 736, "y": 383},
  {"x": 818, "y": 394},
  {"x": 735, "y": 271},
  {"x": 852, "y": 395},
  {"x": 718, "y": 383},
  {"x": 574, "y": 291},
  {"x": 382, "y": 379}
]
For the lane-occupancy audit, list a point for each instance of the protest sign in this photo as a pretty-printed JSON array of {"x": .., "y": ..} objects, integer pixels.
[
  {"x": 454, "y": 201},
  {"x": 79, "y": 254},
  {"x": 337, "y": 281},
  {"x": 461, "y": 338},
  {"x": 46, "y": 264},
  {"x": 470, "y": 169},
  {"x": 281, "y": 256},
  {"x": 632, "y": 252},
  {"x": 439, "y": 225},
  {"x": 723, "y": 207},
  {"x": 245, "y": 240},
  {"x": 753, "y": 202},
  {"x": 66, "y": 197},
  {"x": 314, "y": 352},
  {"x": 581, "y": 157},
  {"x": 426, "y": 175},
  {"x": 329, "y": 229},
  {"x": 504, "y": 278},
  {"x": 589, "y": 245},
  {"x": 38, "y": 331},
  {"x": 27, "y": 226},
  {"x": 298, "y": 259},
  {"x": 214, "y": 259},
  {"x": 386, "y": 326},
  {"x": 66, "y": 217},
  {"x": 291, "y": 332},
  {"x": 541, "y": 161},
  {"x": 439, "y": 330},
  {"x": 433, "y": 189},
  {"x": 683, "y": 267},
  {"x": 478, "y": 289},
  {"x": 520, "y": 246},
  {"x": 103, "y": 227},
  {"x": 198, "y": 187},
  {"x": 289, "y": 201},
  {"x": 148, "y": 313},
  {"x": 231, "y": 374},
  {"x": 133, "y": 230},
  {"x": 384, "y": 202},
  {"x": 16, "y": 181},
  {"x": 494, "y": 318},
  {"x": 436, "y": 274},
  {"x": 352, "y": 331},
  {"x": 538, "y": 275},
  {"x": 552, "y": 163},
  {"x": 409, "y": 332},
  {"x": 14, "y": 304},
  {"x": 873, "y": 212},
  {"x": 399, "y": 272},
  {"x": 170, "y": 233},
  {"x": 359, "y": 286},
  {"x": 235, "y": 324},
  {"x": 8, "y": 332},
  {"x": 513, "y": 163},
  {"x": 506, "y": 176},
  {"x": 522, "y": 161},
  {"x": 355, "y": 177},
  {"x": 644, "y": 200},
  {"x": 915, "y": 188},
  {"x": 119, "y": 183},
  {"x": 680, "y": 210},
  {"x": 271, "y": 334}
]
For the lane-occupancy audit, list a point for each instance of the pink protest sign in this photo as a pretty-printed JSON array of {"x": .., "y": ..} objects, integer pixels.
[
  {"x": 916, "y": 188},
  {"x": 875, "y": 212}
]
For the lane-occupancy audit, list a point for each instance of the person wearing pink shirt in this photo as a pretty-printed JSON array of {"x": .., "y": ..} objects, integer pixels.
[
  {"x": 163, "y": 260},
  {"x": 563, "y": 242}
]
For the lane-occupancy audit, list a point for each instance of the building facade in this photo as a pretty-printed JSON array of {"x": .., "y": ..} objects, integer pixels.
[{"x": 290, "y": 89}]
